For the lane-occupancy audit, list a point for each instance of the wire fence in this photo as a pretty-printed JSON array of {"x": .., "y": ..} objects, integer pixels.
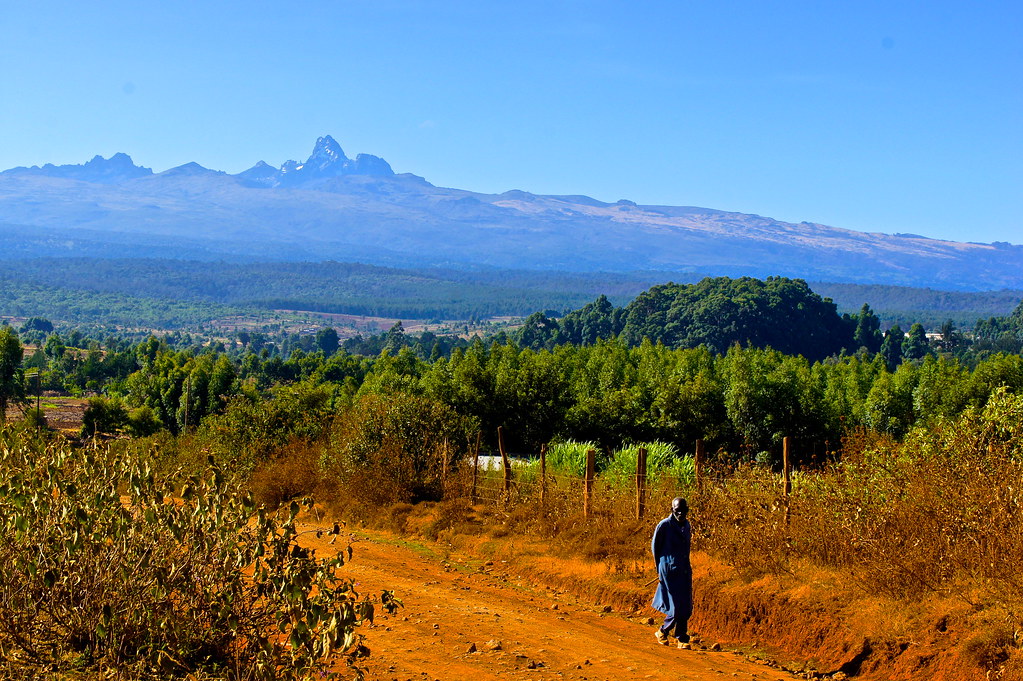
[{"x": 506, "y": 483}]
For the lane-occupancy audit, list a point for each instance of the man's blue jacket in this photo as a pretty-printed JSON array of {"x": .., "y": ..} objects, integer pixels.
[{"x": 670, "y": 546}]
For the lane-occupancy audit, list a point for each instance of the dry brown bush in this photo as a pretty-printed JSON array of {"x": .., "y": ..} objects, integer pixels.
[
  {"x": 292, "y": 474},
  {"x": 386, "y": 450},
  {"x": 454, "y": 516}
]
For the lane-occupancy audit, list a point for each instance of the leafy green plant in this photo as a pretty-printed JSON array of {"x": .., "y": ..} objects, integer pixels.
[
  {"x": 664, "y": 466},
  {"x": 569, "y": 457},
  {"x": 104, "y": 565},
  {"x": 252, "y": 432}
]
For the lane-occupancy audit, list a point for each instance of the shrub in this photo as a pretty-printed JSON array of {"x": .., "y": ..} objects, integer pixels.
[
  {"x": 293, "y": 474},
  {"x": 35, "y": 419},
  {"x": 743, "y": 521},
  {"x": 938, "y": 512},
  {"x": 103, "y": 415},
  {"x": 142, "y": 422},
  {"x": 250, "y": 433},
  {"x": 152, "y": 585},
  {"x": 389, "y": 449}
]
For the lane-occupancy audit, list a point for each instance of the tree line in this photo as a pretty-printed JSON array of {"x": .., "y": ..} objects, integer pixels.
[{"x": 583, "y": 377}]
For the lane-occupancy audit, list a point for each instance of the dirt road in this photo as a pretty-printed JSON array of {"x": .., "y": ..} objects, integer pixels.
[{"x": 463, "y": 619}]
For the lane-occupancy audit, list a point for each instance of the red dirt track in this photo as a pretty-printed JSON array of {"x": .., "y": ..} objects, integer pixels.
[{"x": 519, "y": 630}]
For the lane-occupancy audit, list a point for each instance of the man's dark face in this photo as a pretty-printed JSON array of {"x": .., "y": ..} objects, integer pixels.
[{"x": 679, "y": 509}]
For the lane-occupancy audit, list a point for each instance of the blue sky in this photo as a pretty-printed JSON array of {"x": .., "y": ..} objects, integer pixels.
[{"x": 877, "y": 116}]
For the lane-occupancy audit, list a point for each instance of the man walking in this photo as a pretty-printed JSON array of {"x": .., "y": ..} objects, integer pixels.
[{"x": 674, "y": 596}]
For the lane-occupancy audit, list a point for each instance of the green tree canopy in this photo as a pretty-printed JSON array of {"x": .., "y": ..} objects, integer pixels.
[
  {"x": 37, "y": 324},
  {"x": 891, "y": 347},
  {"x": 12, "y": 384},
  {"x": 868, "y": 330},
  {"x": 327, "y": 340},
  {"x": 780, "y": 313},
  {"x": 915, "y": 346}
]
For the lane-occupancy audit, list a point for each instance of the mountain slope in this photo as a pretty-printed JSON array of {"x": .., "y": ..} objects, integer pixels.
[{"x": 334, "y": 207}]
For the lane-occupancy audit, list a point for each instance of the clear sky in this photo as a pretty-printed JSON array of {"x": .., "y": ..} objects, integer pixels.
[{"x": 886, "y": 116}]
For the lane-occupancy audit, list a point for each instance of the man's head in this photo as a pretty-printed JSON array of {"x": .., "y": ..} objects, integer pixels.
[{"x": 679, "y": 509}]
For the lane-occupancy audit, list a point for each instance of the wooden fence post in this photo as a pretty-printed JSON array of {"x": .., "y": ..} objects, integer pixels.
[
  {"x": 543, "y": 474},
  {"x": 444, "y": 468},
  {"x": 506, "y": 461},
  {"x": 698, "y": 459},
  {"x": 591, "y": 458},
  {"x": 475, "y": 467},
  {"x": 786, "y": 464},
  {"x": 640, "y": 482}
]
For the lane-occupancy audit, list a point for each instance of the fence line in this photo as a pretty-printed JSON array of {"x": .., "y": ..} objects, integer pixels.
[{"x": 510, "y": 486}]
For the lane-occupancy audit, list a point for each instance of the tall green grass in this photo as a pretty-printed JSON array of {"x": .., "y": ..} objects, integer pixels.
[
  {"x": 569, "y": 458},
  {"x": 665, "y": 466}
]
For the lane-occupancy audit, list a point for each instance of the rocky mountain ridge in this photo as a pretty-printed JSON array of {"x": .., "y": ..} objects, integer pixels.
[
  {"x": 327, "y": 160},
  {"x": 335, "y": 207}
]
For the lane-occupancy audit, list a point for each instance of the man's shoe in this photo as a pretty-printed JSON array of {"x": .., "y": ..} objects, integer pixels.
[
  {"x": 684, "y": 645},
  {"x": 661, "y": 637}
]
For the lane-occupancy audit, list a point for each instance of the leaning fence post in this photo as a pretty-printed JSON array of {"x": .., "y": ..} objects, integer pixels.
[
  {"x": 505, "y": 461},
  {"x": 475, "y": 466},
  {"x": 591, "y": 457},
  {"x": 640, "y": 482},
  {"x": 698, "y": 459},
  {"x": 543, "y": 474}
]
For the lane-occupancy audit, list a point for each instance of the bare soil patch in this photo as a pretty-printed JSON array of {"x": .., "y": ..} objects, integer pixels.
[{"x": 62, "y": 413}]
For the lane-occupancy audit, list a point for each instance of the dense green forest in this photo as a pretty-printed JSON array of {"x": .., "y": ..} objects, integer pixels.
[
  {"x": 321, "y": 287},
  {"x": 780, "y": 313},
  {"x": 740, "y": 363},
  {"x": 82, "y": 308},
  {"x": 176, "y": 294},
  {"x": 930, "y": 307}
]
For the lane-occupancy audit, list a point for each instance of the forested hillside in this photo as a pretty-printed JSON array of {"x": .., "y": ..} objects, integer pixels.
[
  {"x": 904, "y": 305},
  {"x": 182, "y": 294},
  {"x": 86, "y": 289}
]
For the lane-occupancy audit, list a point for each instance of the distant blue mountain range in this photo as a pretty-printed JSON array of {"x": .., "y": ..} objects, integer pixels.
[
  {"x": 332, "y": 207},
  {"x": 327, "y": 160}
]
